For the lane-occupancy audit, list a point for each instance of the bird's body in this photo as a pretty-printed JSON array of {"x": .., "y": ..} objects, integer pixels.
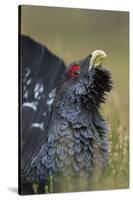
[{"x": 77, "y": 134}]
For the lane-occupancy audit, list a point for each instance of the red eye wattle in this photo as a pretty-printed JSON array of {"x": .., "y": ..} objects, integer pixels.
[{"x": 73, "y": 69}]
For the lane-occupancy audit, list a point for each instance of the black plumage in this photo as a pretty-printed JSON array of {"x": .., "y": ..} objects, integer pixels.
[
  {"x": 40, "y": 71},
  {"x": 77, "y": 132}
]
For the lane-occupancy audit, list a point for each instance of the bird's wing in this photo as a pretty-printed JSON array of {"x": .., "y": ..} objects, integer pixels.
[{"x": 40, "y": 71}]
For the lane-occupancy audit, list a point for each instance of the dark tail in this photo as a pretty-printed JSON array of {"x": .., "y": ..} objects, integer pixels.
[{"x": 40, "y": 71}]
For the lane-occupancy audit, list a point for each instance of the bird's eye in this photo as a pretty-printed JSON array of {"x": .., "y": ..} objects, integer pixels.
[{"x": 74, "y": 70}]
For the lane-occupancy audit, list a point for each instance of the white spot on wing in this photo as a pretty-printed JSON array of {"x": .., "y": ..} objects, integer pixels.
[
  {"x": 27, "y": 72},
  {"x": 26, "y": 94},
  {"x": 38, "y": 125},
  {"x": 30, "y": 105},
  {"x": 50, "y": 101},
  {"x": 38, "y": 91},
  {"x": 28, "y": 82},
  {"x": 52, "y": 93},
  {"x": 51, "y": 97}
]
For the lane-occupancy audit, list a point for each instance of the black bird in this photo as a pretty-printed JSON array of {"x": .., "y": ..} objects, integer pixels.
[{"x": 77, "y": 139}]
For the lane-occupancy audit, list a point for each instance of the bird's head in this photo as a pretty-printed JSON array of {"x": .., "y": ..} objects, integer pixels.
[
  {"x": 93, "y": 60},
  {"x": 87, "y": 79}
]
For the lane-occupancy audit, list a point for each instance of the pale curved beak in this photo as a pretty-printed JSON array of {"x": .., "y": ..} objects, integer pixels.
[{"x": 97, "y": 58}]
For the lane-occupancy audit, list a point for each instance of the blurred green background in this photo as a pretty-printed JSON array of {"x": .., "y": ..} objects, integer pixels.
[{"x": 74, "y": 33}]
